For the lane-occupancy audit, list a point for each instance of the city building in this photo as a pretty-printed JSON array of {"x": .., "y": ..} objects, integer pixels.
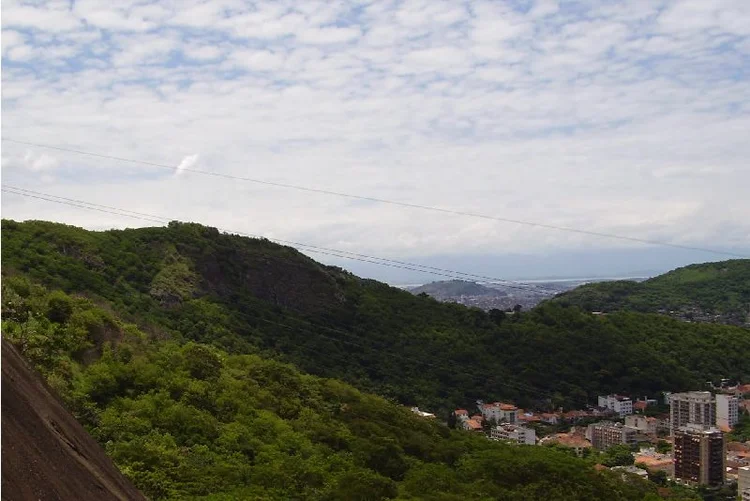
[
  {"x": 727, "y": 411},
  {"x": 743, "y": 483},
  {"x": 643, "y": 424},
  {"x": 631, "y": 469},
  {"x": 691, "y": 408},
  {"x": 655, "y": 461},
  {"x": 699, "y": 455},
  {"x": 472, "y": 424},
  {"x": 550, "y": 418},
  {"x": 513, "y": 433},
  {"x": 574, "y": 440},
  {"x": 605, "y": 434},
  {"x": 500, "y": 412},
  {"x": 623, "y": 406}
]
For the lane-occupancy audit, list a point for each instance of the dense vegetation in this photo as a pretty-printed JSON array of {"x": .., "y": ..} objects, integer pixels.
[
  {"x": 187, "y": 282},
  {"x": 190, "y": 421},
  {"x": 705, "y": 292}
]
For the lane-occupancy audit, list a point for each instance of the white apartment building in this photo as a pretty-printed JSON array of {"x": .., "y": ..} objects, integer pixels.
[
  {"x": 623, "y": 406},
  {"x": 643, "y": 424},
  {"x": 500, "y": 412},
  {"x": 692, "y": 407},
  {"x": 513, "y": 433},
  {"x": 727, "y": 411}
]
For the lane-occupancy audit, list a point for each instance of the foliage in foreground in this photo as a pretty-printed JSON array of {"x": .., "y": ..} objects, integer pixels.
[{"x": 189, "y": 421}]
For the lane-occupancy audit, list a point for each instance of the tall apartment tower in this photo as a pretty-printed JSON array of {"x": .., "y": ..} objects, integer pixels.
[
  {"x": 693, "y": 407},
  {"x": 699, "y": 455},
  {"x": 727, "y": 411}
]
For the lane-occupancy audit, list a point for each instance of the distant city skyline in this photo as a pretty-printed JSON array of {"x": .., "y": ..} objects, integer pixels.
[{"x": 564, "y": 265}]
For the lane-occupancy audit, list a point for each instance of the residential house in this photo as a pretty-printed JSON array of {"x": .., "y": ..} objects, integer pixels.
[
  {"x": 632, "y": 469},
  {"x": 550, "y": 418},
  {"x": 605, "y": 434},
  {"x": 525, "y": 418},
  {"x": 619, "y": 404},
  {"x": 472, "y": 425},
  {"x": 655, "y": 461},
  {"x": 500, "y": 412},
  {"x": 513, "y": 433},
  {"x": 573, "y": 440},
  {"x": 643, "y": 424},
  {"x": 640, "y": 406}
]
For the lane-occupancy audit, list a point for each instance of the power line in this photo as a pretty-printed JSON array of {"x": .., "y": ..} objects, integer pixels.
[
  {"x": 310, "y": 248},
  {"x": 517, "y": 385},
  {"x": 381, "y": 200}
]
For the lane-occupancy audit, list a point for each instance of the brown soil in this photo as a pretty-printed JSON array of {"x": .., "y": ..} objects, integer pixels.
[{"x": 46, "y": 454}]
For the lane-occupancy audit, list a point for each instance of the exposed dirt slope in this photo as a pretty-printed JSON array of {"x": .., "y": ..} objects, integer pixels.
[{"x": 46, "y": 454}]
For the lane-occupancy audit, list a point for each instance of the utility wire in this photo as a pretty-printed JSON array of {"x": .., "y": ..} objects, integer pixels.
[
  {"x": 380, "y": 200},
  {"x": 518, "y": 386},
  {"x": 310, "y": 248},
  {"x": 452, "y": 367}
]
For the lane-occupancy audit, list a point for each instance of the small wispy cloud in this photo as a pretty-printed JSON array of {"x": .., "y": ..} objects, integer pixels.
[{"x": 187, "y": 163}]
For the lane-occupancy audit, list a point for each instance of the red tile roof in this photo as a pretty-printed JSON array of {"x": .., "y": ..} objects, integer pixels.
[
  {"x": 473, "y": 425},
  {"x": 571, "y": 440},
  {"x": 461, "y": 412}
]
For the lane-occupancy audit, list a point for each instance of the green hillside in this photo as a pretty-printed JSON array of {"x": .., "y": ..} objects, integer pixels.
[
  {"x": 189, "y": 421},
  {"x": 187, "y": 282},
  {"x": 716, "y": 292}
]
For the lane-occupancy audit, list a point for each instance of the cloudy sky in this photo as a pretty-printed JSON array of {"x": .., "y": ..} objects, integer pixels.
[{"x": 628, "y": 117}]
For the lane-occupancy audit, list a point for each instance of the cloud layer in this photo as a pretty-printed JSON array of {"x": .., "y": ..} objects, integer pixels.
[{"x": 627, "y": 117}]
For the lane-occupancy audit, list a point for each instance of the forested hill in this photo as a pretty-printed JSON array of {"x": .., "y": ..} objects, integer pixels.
[
  {"x": 712, "y": 292},
  {"x": 188, "y": 282},
  {"x": 188, "y": 421}
]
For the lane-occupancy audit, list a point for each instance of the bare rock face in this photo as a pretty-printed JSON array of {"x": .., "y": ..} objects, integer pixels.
[{"x": 46, "y": 454}]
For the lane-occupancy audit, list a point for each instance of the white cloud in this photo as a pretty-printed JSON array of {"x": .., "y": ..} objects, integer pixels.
[
  {"x": 189, "y": 162},
  {"x": 544, "y": 8},
  {"x": 203, "y": 52},
  {"x": 328, "y": 35},
  {"x": 30, "y": 161},
  {"x": 610, "y": 116}
]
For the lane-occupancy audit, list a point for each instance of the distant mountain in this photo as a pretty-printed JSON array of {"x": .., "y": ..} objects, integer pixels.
[
  {"x": 712, "y": 292},
  {"x": 456, "y": 288}
]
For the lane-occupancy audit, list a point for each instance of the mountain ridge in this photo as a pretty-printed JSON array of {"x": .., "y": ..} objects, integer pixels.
[
  {"x": 190, "y": 282},
  {"x": 713, "y": 292}
]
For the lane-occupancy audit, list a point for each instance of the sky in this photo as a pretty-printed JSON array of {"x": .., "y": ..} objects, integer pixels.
[{"x": 625, "y": 117}]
